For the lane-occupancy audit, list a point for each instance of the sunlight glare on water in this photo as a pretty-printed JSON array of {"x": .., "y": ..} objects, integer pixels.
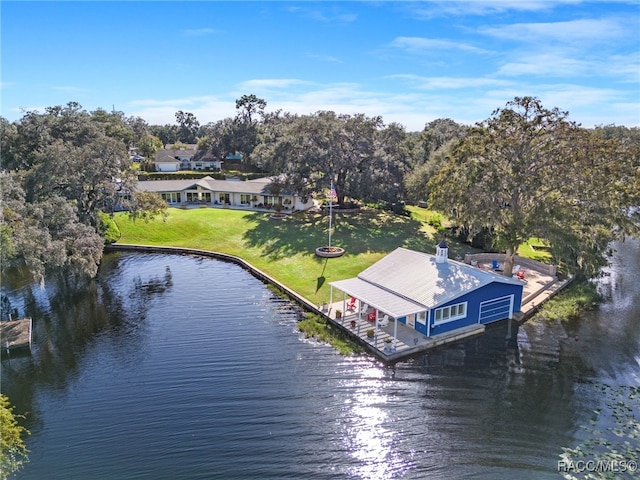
[{"x": 178, "y": 367}]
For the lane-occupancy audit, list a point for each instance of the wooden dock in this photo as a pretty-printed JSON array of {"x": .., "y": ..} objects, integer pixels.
[{"x": 16, "y": 335}]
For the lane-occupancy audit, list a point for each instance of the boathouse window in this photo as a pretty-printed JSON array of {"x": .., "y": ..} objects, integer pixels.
[
  {"x": 450, "y": 313},
  {"x": 422, "y": 317}
]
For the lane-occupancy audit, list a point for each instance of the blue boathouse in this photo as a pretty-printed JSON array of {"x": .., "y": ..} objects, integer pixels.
[{"x": 430, "y": 293}]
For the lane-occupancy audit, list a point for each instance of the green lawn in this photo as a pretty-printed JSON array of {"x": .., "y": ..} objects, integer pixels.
[
  {"x": 536, "y": 249},
  {"x": 285, "y": 248}
]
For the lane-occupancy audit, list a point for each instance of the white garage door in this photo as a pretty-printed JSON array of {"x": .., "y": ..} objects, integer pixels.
[{"x": 496, "y": 309}]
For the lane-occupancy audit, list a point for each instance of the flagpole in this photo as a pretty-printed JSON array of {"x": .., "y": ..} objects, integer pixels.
[{"x": 330, "y": 207}]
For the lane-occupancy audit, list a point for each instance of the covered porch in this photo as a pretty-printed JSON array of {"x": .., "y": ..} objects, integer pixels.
[
  {"x": 393, "y": 341},
  {"x": 371, "y": 314}
]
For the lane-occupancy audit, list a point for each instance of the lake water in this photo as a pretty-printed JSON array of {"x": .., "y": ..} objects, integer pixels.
[{"x": 181, "y": 367}]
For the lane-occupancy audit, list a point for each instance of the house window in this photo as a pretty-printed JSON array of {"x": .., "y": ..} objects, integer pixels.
[
  {"x": 450, "y": 313},
  {"x": 245, "y": 199},
  {"x": 272, "y": 200},
  {"x": 172, "y": 197}
]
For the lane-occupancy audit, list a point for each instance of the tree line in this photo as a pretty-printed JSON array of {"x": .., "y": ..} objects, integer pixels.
[
  {"x": 525, "y": 171},
  {"x": 63, "y": 172}
]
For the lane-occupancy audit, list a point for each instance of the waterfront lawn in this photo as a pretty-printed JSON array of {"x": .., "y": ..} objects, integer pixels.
[
  {"x": 536, "y": 249},
  {"x": 285, "y": 248}
]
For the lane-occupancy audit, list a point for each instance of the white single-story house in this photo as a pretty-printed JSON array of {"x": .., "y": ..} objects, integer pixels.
[
  {"x": 189, "y": 158},
  {"x": 224, "y": 193},
  {"x": 202, "y": 161},
  {"x": 173, "y": 160},
  {"x": 431, "y": 293}
]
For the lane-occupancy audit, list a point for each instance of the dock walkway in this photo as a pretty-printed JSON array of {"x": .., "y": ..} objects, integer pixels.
[{"x": 16, "y": 335}]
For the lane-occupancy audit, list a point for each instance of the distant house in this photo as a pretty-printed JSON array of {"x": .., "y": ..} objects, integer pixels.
[
  {"x": 203, "y": 160},
  {"x": 250, "y": 194},
  {"x": 189, "y": 158},
  {"x": 431, "y": 293},
  {"x": 173, "y": 160}
]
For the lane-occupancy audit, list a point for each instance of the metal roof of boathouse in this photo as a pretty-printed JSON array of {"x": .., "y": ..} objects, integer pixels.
[{"x": 407, "y": 281}]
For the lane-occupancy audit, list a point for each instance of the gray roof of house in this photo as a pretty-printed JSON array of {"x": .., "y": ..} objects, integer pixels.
[
  {"x": 417, "y": 278},
  {"x": 254, "y": 187},
  {"x": 170, "y": 155}
]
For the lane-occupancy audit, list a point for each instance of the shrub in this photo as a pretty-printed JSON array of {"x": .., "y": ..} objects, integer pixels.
[
  {"x": 435, "y": 220},
  {"x": 108, "y": 228},
  {"x": 13, "y": 453}
]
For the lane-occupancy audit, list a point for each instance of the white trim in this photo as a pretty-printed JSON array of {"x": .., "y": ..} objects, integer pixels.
[
  {"x": 511, "y": 306},
  {"x": 446, "y": 316}
]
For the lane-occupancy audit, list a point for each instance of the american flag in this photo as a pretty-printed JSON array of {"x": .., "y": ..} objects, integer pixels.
[{"x": 332, "y": 193}]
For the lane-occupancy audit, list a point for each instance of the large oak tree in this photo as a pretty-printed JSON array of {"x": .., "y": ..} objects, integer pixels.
[
  {"x": 61, "y": 170},
  {"x": 529, "y": 171},
  {"x": 361, "y": 157}
]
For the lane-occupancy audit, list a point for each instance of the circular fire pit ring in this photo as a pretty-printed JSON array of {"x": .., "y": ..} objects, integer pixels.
[{"x": 329, "y": 252}]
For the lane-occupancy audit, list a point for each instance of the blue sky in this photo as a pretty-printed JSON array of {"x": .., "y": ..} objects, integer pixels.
[{"x": 410, "y": 62}]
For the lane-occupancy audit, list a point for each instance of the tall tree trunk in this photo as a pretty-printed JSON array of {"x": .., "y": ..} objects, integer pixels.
[{"x": 508, "y": 262}]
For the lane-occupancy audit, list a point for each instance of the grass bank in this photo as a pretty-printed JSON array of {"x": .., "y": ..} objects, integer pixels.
[
  {"x": 284, "y": 249},
  {"x": 576, "y": 298},
  {"x": 316, "y": 327}
]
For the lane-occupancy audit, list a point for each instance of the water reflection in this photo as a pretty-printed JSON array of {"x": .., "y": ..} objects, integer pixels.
[
  {"x": 175, "y": 367},
  {"x": 67, "y": 322}
]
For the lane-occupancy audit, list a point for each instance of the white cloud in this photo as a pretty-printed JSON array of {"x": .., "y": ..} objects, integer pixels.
[
  {"x": 449, "y": 83},
  {"x": 263, "y": 84},
  {"x": 546, "y": 64},
  {"x": 205, "y": 108},
  {"x": 199, "y": 32},
  {"x": 434, "y": 9},
  {"x": 571, "y": 63},
  {"x": 435, "y": 45},
  {"x": 334, "y": 14},
  {"x": 570, "y": 32},
  {"x": 623, "y": 67},
  {"x": 416, "y": 101},
  {"x": 324, "y": 58}
]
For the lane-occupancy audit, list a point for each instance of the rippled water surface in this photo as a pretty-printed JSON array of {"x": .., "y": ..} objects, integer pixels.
[{"x": 181, "y": 367}]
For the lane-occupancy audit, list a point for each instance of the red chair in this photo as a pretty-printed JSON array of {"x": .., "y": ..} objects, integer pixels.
[
  {"x": 352, "y": 304},
  {"x": 520, "y": 274},
  {"x": 371, "y": 316}
]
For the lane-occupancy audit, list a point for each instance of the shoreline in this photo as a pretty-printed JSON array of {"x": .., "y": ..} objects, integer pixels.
[{"x": 308, "y": 306}]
